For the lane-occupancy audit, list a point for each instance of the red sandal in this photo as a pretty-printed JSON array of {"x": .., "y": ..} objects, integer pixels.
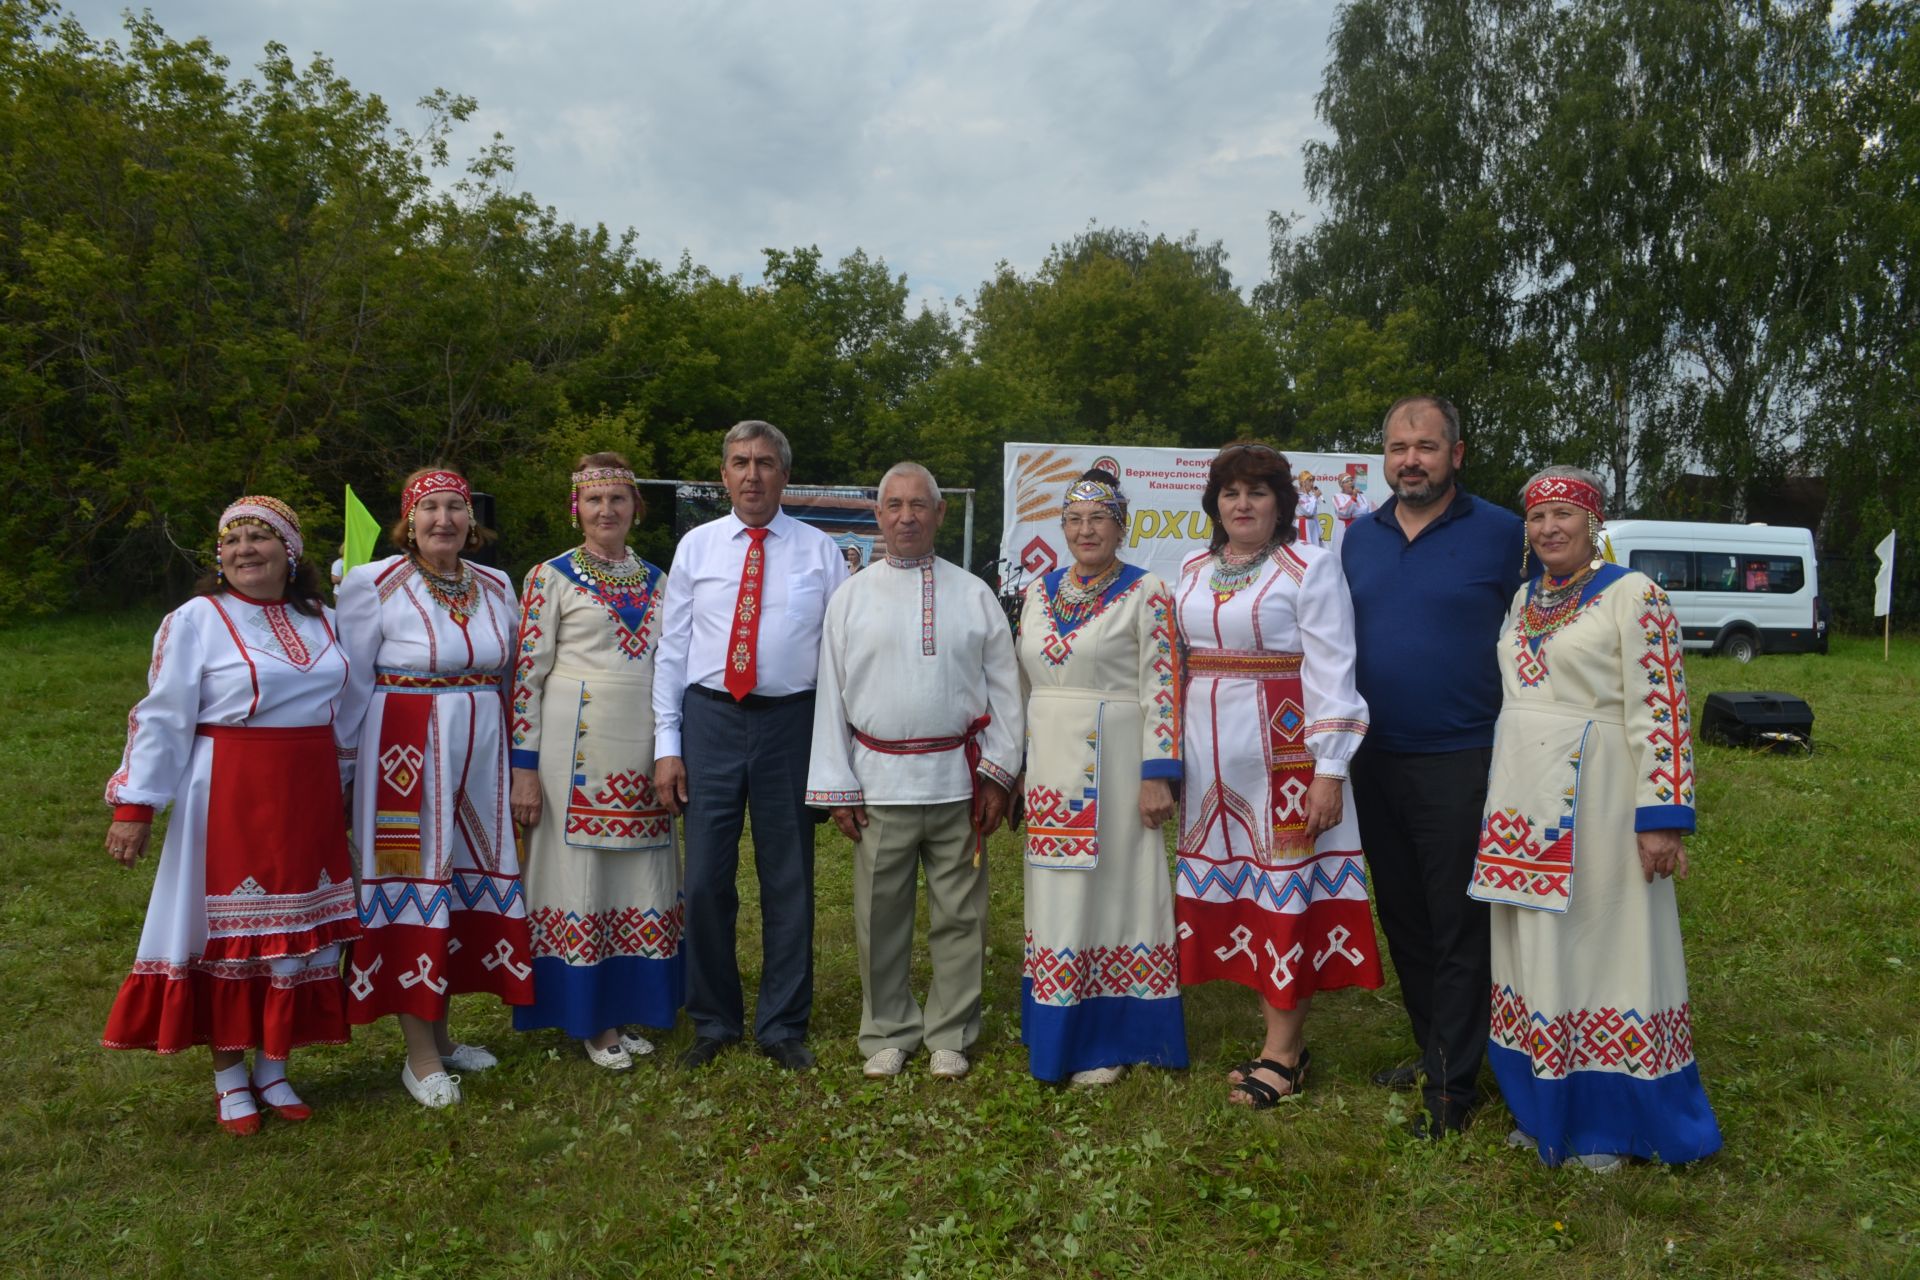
[
  {"x": 294, "y": 1111},
  {"x": 241, "y": 1126}
]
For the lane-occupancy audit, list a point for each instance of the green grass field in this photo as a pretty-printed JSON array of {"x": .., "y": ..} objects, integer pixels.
[{"x": 1803, "y": 930}]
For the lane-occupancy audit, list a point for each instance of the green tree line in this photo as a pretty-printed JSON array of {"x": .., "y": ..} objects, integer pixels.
[{"x": 1661, "y": 237}]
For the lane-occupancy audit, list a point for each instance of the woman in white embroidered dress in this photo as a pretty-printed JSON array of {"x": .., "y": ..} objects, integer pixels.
[
  {"x": 1100, "y": 986},
  {"x": 254, "y": 894},
  {"x": 1271, "y": 889},
  {"x": 1591, "y": 792},
  {"x": 432, "y": 637},
  {"x": 602, "y": 874}
]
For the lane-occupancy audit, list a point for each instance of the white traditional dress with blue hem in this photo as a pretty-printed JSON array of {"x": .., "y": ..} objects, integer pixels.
[
  {"x": 1592, "y": 1035},
  {"x": 1270, "y": 705},
  {"x": 253, "y": 896},
  {"x": 442, "y": 911},
  {"x": 602, "y": 872},
  {"x": 1100, "y": 986}
]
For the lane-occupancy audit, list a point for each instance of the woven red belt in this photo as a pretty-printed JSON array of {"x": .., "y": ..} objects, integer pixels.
[{"x": 968, "y": 742}]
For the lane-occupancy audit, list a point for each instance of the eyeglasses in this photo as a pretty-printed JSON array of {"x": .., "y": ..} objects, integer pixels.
[{"x": 1091, "y": 520}]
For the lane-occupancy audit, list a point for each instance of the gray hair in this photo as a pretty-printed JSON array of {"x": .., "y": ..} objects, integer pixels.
[
  {"x": 1564, "y": 471},
  {"x": 754, "y": 429},
  {"x": 1439, "y": 404},
  {"x": 907, "y": 469}
]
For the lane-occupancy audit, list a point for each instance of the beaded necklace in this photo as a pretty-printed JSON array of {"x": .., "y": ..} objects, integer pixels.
[
  {"x": 456, "y": 593},
  {"x": 617, "y": 583},
  {"x": 1550, "y": 607},
  {"x": 1075, "y": 601},
  {"x": 1233, "y": 572}
]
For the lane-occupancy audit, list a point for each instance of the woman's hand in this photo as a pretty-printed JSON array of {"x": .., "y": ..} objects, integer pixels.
[
  {"x": 524, "y": 799},
  {"x": 1324, "y": 806},
  {"x": 1156, "y": 802},
  {"x": 126, "y": 841},
  {"x": 1662, "y": 854}
]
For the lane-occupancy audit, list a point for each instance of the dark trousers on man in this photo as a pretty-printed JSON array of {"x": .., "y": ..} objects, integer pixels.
[
  {"x": 1420, "y": 825},
  {"x": 746, "y": 759}
]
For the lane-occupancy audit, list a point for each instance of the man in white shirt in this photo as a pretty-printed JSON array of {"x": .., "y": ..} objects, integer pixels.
[
  {"x": 733, "y": 718},
  {"x": 917, "y": 735}
]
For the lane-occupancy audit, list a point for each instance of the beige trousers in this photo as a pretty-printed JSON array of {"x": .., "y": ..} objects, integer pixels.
[{"x": 898, "y": 841}]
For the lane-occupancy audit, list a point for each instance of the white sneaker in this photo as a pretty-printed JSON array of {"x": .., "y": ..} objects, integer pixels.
[
  {"x": 1601, "y": 1162},
  {"x": 438, "y": 1090},
  {"x": 470, "y": 1057},
  {"x": 614, "y": 1057},
  {"x": 948, "y": 1064},
  {"x": 1094, "y": 1076},
  {"x": 1522, "y": 1139},
  {"x": 888, "y": 1062},
  {"x": 636, "y": 1046}
]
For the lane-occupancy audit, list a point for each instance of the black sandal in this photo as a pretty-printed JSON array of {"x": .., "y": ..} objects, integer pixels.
[{"x": 1260, "y": 1094}]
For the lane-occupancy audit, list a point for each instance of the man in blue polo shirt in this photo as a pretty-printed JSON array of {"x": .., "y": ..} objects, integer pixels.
[{"x": 1432, "y": 573}]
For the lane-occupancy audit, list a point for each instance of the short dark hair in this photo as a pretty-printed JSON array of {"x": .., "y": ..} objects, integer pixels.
[
  {"x": 1439, "y": 404},
  {"x": 1250, "y": 461}
]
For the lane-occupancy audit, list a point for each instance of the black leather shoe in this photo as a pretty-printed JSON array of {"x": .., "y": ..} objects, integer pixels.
[
  {"x": 702, "y": 1052},
  {"x": 792, "y": 1054},
  {"x": 1435, "y": 1123},
  {"x": 1399, "y": 1079}
]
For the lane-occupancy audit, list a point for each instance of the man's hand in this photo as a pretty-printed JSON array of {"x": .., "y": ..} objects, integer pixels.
[
  {"x": 989, "y": 806},
  {"x": 1156, "y": 802},
  {"x": 524, "y": 799},
  {"x": 1662, "y": 854},
  {"x": 670, "y": 783},
  {"x": 1324, "y": 806},
  {"x": 849, "y": 818}
]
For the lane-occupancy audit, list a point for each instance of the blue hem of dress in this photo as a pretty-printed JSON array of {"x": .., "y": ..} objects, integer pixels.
[
  {"x": 1607, "y": 1112},
  {"x": 585, "y": 999},
  {"x": 1110, "y": 1031}
]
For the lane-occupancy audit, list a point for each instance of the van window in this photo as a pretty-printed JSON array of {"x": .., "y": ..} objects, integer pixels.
[
  {"x": 1719, "y": 571},
  {"x": 1671, "y": 569},
  {"x": 1778, "y": 575}
]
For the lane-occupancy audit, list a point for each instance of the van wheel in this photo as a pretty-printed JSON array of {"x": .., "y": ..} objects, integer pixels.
[{"x": 1740, "y": 646}]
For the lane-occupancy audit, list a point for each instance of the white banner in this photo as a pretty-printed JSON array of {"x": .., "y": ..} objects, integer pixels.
[
  {"x": 1163, "y": 486},
  {"x": 1883, "y": 580}
]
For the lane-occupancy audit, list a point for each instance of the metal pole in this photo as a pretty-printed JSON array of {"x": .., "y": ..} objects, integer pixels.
[{"x": 966, "y": 548}]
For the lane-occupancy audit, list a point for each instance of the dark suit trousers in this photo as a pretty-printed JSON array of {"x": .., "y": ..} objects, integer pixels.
[
  {"x": 743, "y": 760},
  {"x": 1420, "y": 824}
]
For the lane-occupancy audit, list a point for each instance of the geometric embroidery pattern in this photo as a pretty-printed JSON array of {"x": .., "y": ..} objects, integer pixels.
[
  {"x": 603, "y": 935},
  {"x": 1671, "y": 738},
  {"x": 623, "y": 808},
  {"x": 1642, "y": 1045},
  {"x": 1242, "y": 880},
  {"x": 1063, "y": 977},
  {"x": 1062, "y": 831}
]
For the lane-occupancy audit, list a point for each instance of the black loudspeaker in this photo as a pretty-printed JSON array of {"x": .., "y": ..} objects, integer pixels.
[
  {"x": 1769, "y": 721},
  {"x": 488, "y": 555}
]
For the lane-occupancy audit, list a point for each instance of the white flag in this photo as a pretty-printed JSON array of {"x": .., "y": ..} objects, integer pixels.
[{"x": 1883, "y": 580}]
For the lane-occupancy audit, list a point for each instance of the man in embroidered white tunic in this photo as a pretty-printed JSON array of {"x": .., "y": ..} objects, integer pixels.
[{"x": 917, "y": 734}]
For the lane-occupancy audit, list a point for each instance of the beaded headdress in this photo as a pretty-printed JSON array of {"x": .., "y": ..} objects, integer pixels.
[
  {"x": 434, "y": 482},
  {"x": 598, "y": 475},
  {"x": 271, "y": 512},
  {"x": 1107, "y": 495},
  {"x": 1567, "y": 489}
]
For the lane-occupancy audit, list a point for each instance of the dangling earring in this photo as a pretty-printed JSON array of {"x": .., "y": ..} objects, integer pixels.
[
  {"x": 1593, "y": 539},
  {"x": 411, "y": 544},
  {"x": 293, "y": 566},
  {"x": 573, "y": 508},
  {"x": 219, "y": 568},
  {"x": 1526, "y": 549}
]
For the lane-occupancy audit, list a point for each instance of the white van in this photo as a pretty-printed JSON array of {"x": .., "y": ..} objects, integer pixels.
[{"x": 1737, "y": 589}]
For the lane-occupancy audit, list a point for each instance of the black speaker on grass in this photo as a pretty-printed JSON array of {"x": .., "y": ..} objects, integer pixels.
[{"x": 1768, "y": 721}]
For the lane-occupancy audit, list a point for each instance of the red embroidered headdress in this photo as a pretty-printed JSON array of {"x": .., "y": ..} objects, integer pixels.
[
  {"x": 271, "y": 512},
  {"x": 434, "y": 482},
  {"x": 1566, "y": 489}
]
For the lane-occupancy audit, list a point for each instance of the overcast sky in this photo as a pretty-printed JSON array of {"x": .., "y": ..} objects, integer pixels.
[{"x": 942, "y": 137}]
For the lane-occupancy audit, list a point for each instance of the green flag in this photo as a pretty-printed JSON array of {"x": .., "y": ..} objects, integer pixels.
[{"x": 363, "y": 533}]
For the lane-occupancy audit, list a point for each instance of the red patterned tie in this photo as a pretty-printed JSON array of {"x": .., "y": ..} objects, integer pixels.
[{"x": 742, "y": 666}]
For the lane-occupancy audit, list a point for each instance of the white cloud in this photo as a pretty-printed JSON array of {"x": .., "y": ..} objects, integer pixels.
[{"x": 941, "y": 137}]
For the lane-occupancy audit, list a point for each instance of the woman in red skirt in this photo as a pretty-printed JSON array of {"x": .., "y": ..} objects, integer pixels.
[{"x": 254, "y": 896}]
